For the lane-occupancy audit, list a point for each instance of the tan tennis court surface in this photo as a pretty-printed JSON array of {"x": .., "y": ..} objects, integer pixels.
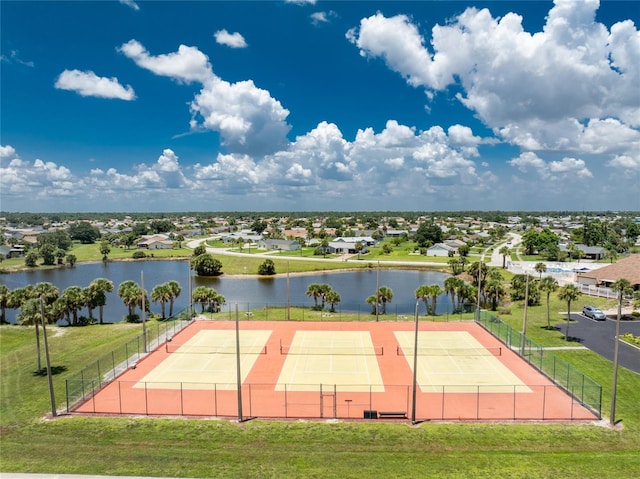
[
  {"x": 457, "y": 360},
  {"x": 346, "y": 359},
  {"x": 350, "y": 370}
]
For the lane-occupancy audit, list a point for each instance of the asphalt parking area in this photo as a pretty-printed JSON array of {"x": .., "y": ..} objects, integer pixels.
[{"x": 598, "y": 336}]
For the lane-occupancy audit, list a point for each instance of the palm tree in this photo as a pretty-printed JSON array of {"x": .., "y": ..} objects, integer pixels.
[
  {"x": 74, "y": 299},
  {"x": 359, "y": 246},
  {"x": 131, "y": 294},
  {"x": 49, "y": 293},
  {"x": 451, "y": 287},
  {"x": 5, "y": 298},
  {"x": 162, "y": 294},
  {"x": 467, "y": 294},
  {"x": 457, "y": 266},
  {"x": 478, "y": 271},
  {"x": 324, "y": 289},
  {"x": 324, "y": 244},
  {"x": 201, "y": 295},
  {"x": 422, "y": 293},
  {"x": 504, "y": 251},
  {"x": 175, "y": 289},
  {"x": 434, "y": 291},
  {"x": 216, "y": 300},
  {"x": 495, "y": 291},
  {"x": 333, "y": 298},
  {"x": 540, "y": 268},
  {"x": 568, "y": 293},
  {"x": 373, "y": 301},
  {"x": 30, "y": 314},
  {"x": 315, "y": 291},
  {"x": 385, "y": 295},
  {"x": 97, "y": 295},
  {"x": 548, "y": 284}
]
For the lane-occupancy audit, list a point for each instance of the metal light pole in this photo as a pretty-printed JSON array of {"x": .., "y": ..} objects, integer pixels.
[
  {"x": 46, "y": 353},
  {"x": 288, "y": 295},
  {"x": 144, "y": 316},
  {"x": 377, "y": 290},
  {"x": 238, "y": 373},
  {"x": 524, "y": 320},
  {"x": 415, "y": 368},
  {"x": 614, "y": 385},
  {"x": 480, "y": 263},
  {"x": 190, "y": 292}
]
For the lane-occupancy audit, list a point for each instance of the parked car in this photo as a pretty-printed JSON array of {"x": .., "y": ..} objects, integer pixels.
[{"x": 593, "y": 313}]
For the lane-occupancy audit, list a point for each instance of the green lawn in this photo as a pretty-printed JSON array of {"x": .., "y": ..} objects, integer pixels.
[{"x": 267, "y": 449}]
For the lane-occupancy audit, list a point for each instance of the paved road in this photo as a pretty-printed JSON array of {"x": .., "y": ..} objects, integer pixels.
[{"x": 599, "y": 337}]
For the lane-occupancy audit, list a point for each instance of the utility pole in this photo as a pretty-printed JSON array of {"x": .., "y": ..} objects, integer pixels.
[
  {"x": 524, "y": 320},
  {"x": 238, "y": 372},
  {"x": 144, "y": 322},
  {"x": 46, "y": 353},
  {"x": 415, "y": 368}
]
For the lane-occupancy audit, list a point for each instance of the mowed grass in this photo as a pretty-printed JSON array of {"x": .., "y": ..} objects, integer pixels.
[{"x": 267, "y": 449}]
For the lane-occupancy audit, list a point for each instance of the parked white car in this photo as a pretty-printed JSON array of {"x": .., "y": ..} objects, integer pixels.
[{"x": 594, "y": 313}]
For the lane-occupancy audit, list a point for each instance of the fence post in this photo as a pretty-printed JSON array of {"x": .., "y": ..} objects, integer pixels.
[{"x": 286, "y": 412}]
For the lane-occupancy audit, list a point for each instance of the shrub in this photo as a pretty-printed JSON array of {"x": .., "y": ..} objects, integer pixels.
[
  {"x": 139, "y": 254},
  {"x": 267, "y": 268}
]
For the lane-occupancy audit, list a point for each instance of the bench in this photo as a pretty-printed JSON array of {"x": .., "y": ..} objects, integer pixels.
[{"x": 384, "y": 414}]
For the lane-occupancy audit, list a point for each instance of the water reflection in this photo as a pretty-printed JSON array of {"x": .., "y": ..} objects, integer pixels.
[{"x": 353, "y": 286}]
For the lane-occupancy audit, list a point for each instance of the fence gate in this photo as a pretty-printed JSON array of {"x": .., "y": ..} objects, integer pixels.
[{"x": 328, "y": 407}]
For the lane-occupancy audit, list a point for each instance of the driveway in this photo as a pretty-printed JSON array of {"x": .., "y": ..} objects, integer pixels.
[{"x": 599, "y": 336}]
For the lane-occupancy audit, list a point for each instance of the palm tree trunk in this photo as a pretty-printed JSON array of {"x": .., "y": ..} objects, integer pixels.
[{"x": 548, "y": 314}]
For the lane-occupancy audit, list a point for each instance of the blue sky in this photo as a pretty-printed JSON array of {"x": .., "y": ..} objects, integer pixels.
[{"x": 303, "y": 105}]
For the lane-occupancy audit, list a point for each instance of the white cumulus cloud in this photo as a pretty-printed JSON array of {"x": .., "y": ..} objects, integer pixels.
[
  {"x": 87, "y": 83},
  {"x": 232, "y": 40},
  {"x": 535, "y": 89},
  {"x": 7, "y": 151},
  {"x": 248, "y": 119},
  {"x": 186, "y": 65}
]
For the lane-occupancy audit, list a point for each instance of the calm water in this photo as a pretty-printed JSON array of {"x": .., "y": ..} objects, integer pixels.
[{"x": 354, "y": 287}]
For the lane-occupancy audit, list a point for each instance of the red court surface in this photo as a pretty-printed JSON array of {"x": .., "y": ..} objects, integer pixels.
[{"x": 520, "y": 392}]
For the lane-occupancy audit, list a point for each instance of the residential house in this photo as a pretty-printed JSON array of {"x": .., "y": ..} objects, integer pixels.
[
  {"x": 440, "y": 249},
  {"x": 155, "y": 242},
  {"x": 279, "y": 245},
  {"x": 589, "y": 252},
  {"x": 628, "y": 268},
  {"x": 345, "y": 247}
]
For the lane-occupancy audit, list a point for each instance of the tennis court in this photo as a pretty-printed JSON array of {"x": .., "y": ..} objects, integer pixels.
[{"x": 345, "y": 370}]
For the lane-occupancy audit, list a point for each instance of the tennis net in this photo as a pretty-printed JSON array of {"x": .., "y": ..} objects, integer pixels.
[
  {"x": 494, "y": 351},
  {"x": 331, "y": 351},
  {"x": 171, "y": 347}
]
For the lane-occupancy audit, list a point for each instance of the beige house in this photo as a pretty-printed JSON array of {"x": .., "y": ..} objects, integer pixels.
[{"x": 628, "y": 268}]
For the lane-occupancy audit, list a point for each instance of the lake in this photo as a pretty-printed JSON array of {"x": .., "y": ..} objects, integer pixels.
[{"x": 250, "y": 293}]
